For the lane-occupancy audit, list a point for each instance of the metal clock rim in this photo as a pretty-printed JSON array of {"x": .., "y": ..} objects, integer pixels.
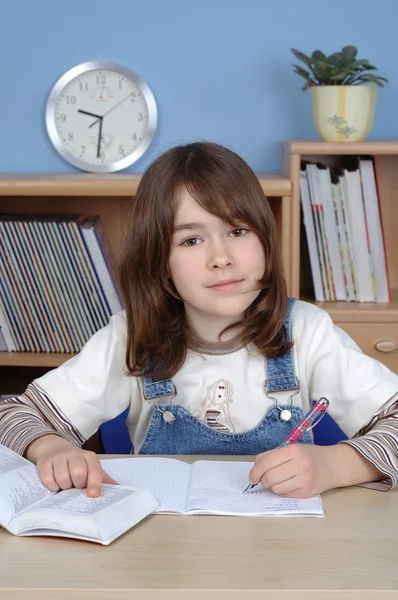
[{"x": 69, "y": 76}]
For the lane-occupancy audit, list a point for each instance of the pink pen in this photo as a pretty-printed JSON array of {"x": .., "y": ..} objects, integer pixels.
[{"x": 313, "y": 417}]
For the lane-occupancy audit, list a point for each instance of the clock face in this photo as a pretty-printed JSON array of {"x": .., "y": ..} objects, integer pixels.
[{"x": 101, "y": 116}]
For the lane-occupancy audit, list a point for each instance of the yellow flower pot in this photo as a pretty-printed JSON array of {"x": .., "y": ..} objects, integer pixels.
[{"x": 343, "y": 113}]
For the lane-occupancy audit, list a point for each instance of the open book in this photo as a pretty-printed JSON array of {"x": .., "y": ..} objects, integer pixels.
[
  {"x": 28, "y": 508},
  {"x": 206, "y": 487}
]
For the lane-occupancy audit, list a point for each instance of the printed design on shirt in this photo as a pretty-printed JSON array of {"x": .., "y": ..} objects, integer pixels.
[{"x": 214, "y": 409}]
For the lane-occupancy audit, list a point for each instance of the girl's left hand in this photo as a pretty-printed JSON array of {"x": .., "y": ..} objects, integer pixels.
[{"x": 298, "y": 470}]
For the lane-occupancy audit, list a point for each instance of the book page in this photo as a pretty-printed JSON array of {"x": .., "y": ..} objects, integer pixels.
[
  {"x": 73, "y": 512},
  {"x": 216, "y": 487},
  {"x": 166, "y": 478},
  {"x": 20, "y": 484}
]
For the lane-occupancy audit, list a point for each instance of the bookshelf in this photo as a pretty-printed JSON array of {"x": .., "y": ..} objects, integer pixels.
[
  {"x": 107, "y": 196},
  {"x": 374, "y": 326}
]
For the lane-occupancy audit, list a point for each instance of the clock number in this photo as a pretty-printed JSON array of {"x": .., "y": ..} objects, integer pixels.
[
  {"x": 140, "y": 117},
  {"x": 83, "y": 150},
  {"x": 134, "y": 136},
  {"x": 121, "y": 149},
  {"x": 120, "y": 84},
  {"x": 83, "y": 86},
  {"x": 62, "y": 118},
  {"x": 70, "y": 137},
  {"x": 102, "y": 155},
  {"x": 133, "y": 97},
  {"x": 70, "y": 99},
  {"x": 101, "y": 79}
]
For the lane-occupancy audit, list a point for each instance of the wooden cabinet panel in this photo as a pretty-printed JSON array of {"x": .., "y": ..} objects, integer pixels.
[{"x": 378, "y": 340}]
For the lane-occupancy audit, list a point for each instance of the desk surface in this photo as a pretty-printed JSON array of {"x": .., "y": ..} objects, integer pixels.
[{"x": 351, "y": 553}]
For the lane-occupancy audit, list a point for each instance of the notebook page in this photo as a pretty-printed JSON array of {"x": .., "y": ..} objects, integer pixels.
[
  {"x": 166, "y": 478},
  {"x": 216, "y": 487}
]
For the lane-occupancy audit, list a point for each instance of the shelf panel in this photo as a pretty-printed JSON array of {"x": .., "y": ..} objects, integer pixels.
[
  {"x": 340, "y": 148},
  {"x": 32, "y": 359},
  {"x": 360, "y": 312},
  {"x": 105, "y": 185}
]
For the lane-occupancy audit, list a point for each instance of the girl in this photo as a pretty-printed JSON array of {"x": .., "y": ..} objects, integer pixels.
[{"x": 210, "y": 356}]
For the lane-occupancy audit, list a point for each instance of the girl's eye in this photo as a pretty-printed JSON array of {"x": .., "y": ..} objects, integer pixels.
[
  {"x": 193, "y": 241},
  {"x": 239, "y": 231}
]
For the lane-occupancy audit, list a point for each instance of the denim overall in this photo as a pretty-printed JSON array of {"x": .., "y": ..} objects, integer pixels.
[{"x": 173, "y": 430}]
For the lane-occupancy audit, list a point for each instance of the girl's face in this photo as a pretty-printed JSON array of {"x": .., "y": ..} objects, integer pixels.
[{"x": 214, "y": 266}]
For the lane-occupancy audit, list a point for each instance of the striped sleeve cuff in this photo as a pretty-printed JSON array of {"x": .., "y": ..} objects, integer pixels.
[
  {"x": 30, "y": 416},
  {"x": 371, "y": 451},
  {"x": 377, "y": 442}
]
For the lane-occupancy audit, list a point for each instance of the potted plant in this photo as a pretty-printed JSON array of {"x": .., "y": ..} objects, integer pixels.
[{"x": 343, "y": 96}]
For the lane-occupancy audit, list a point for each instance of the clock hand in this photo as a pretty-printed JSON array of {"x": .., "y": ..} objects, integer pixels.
[
  {"x": 99, "y": 137},
  {"x": 85, "y": 112},
  {"x": 111, "y": 109}
]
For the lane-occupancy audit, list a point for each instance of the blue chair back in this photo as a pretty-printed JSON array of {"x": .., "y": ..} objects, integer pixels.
[
  {"x": 327, "y": 432},
  {"x": 115, "y": 436}
]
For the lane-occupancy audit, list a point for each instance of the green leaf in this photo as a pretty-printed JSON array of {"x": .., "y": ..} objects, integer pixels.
[
  {"x": 364, "y": 64},
  {"x": 300, "y": 71},
  {"x": 338, "y": 78},
  {"x": 318, "y": 57},
  {"x": 335, "y": 59},
  {"x": 371, "y": 79},
  {"x": 349, "y": 53},
  {"x": 321, "y": 66},
  {"x": 303, "y": 57}
]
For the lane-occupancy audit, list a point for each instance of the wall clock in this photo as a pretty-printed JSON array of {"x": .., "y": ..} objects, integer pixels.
[{"x": 101, "y": 116}]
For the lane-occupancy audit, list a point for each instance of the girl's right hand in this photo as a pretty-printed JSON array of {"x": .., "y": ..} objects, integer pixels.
[{"x": 73, "y": 467}]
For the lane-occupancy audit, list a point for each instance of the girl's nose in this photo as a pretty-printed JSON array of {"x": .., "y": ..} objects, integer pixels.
[{"x": 219, "y": 257}]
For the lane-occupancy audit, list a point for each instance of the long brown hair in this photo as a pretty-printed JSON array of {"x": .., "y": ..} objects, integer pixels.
[{"x": 223, "y": 184}]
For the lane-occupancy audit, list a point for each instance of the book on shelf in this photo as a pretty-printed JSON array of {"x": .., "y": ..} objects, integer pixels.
[
  {"x": 374, "y": 225},
  {"x": 58, "y": 283},
  {"x": 28, "y": 508},
  {"x": 344, "y": 230},
  {"x": 213, "y": 487}
]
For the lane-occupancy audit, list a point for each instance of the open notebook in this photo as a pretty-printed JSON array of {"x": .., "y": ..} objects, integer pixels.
[{"x": 206, "y": 487}]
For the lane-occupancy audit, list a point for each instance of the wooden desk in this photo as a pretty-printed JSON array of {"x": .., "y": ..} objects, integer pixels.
[{"x": 351, "y": 553}]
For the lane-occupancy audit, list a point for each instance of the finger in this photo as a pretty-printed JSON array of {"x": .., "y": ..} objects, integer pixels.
[
  {"x": 290, "y": 488},
  {"x": 266, "y": 461},
  {"x": 279, "y": 474},
  {"x": 94, "y": 475},
  {"x": 78, "y": 470},
  {"x": 61, "y": 471},
  {"x": 46, "y": 473}
]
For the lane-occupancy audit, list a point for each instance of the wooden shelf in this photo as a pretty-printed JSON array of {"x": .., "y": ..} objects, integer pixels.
[
  {"x": 104, "y": 185},
  {"x": 340, "y": 148},
  {"x": 32, "y": 359},
  {"x": 360, "y": 312}
]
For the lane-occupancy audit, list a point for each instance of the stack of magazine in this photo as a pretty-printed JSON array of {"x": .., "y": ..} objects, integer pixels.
[
  {"x": 57, "y": 283},
  {"x": 344, "y": 229}
]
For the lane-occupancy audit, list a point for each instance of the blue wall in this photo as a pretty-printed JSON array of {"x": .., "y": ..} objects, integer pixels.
[{"x": 219, "y": 69}]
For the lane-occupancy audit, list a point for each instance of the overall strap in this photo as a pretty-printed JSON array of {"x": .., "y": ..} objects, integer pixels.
[
  {"x": 281, "y": 374},
  {"x": 156, "y": 389}
]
